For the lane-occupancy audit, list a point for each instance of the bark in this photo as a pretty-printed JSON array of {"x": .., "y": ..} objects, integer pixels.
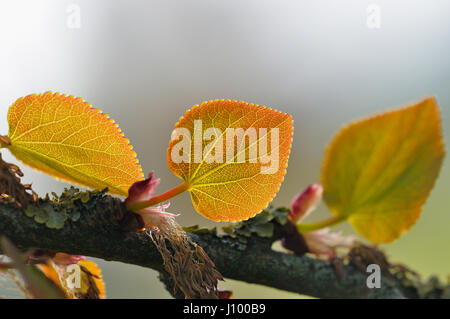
[{"x": 94, "y": 223}]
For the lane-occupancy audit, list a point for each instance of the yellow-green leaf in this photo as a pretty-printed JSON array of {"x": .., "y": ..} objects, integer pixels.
[
  {"x": 65, "y": 137},
  {"x": 378, "y": 172},
  {"x": 231, "y": 183}
]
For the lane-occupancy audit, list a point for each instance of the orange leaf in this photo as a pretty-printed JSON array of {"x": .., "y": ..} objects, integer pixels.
[
  {"x": 82, "y": 280},
  {"x": 378, "y": 172},
  {"x": 37, "y": 284},
  {"x": 67, "y": 138},
  {"x": 218, "y": 150},
  {"x": 92, "y": 285}
]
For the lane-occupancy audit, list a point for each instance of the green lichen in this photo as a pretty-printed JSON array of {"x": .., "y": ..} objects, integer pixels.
[
  {"x": 46, "y": 214},
  {"x": 262, "y": 225},
  {"x": 281, "y": 215},
  {"x": 195, "y": 229},
  {"x": 69, "y": 205}
]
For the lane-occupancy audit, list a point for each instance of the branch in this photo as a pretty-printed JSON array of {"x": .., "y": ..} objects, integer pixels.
[{"x": 93, "y": 226}]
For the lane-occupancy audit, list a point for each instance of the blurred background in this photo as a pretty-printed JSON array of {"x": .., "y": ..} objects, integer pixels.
[{"x": 325, "y": 62}]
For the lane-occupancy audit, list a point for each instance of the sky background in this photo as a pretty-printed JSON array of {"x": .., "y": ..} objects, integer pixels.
[{"x": 146, "y": 62}]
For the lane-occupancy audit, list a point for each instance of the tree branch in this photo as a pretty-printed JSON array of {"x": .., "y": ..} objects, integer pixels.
[{"x": 93, "y": 226}]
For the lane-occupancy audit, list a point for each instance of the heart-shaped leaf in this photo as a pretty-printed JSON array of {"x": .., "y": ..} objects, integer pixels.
[
  {"x": 232, "y": 156},
  {"x": 378, "y": 172},
  {"x": 65, "y": 137}
]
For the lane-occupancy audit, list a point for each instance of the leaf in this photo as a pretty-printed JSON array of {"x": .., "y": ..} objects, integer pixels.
[
  {"x": 378, "y": 172},
  {"x": 92, "y": 284},
  {"x": 68, "y": 139},
  {"x": 37, "y": 283},
  {"x": 227, "y": 187},
  {"x": 89, "y": 285}
]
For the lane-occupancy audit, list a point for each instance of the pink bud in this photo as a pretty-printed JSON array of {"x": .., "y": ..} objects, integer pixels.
[
  {"x": 66, "y": 259},
  {"x": 303, "y": 204},
  {"x": 142, "y": 190}
]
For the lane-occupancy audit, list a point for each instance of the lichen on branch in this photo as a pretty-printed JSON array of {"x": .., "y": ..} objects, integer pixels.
[{"x": 99, "y": 225}]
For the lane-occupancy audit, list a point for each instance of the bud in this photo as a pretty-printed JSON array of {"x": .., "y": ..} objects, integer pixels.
[
  {"x": 303, "y": 204},
  {"x": 66, "y": 259},
  {"x": 142, "y": 190}
]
